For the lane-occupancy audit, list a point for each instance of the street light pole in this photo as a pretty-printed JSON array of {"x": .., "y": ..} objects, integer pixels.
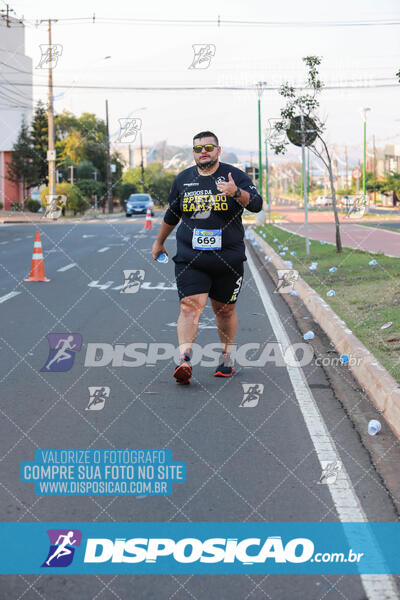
[
  {"x": 364, "y": 112},
  {"x": 305, "y": 190},
  {"x": 267, "y": 197},
  {"x": 260, "y": 86}
]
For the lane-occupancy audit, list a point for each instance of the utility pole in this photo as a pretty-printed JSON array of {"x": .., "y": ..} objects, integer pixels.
[
  {"x": 346, "y": 158},
  {"x": 109, "y": 177},
  {"x": 141, "y": 163},
  {"x": 51, "y": 152},
  {"x": 6, "y": 14}
]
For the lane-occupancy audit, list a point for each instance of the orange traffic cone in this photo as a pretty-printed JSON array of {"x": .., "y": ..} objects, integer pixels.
[
  {"x": 37, "y": 266},
  {"x": 148, "y": 223}
]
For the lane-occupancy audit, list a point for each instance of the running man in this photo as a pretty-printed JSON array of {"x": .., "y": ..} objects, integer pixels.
[
  {"x": 208, "y": 198},
  {"x": 62, "y": 550},
  {"x": 62, "y": 353}
]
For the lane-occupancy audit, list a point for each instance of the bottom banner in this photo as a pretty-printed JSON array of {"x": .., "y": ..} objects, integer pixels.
[{"x": 212, "y": 548}]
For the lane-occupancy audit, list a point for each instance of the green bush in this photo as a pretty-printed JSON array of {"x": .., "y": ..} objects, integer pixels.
[
  {"x": 1, "y": 206},
  {"x": 16, "y": 206},
  {"x": 75, "y": 199},
  {"x": 33, "y": 205}
]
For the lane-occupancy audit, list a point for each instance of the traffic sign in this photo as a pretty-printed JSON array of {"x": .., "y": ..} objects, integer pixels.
[
  {"x": 356, "y": 173},
  {"x": 305, "y": 134}
]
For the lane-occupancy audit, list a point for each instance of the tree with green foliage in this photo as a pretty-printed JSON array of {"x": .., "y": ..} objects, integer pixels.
[
  {"x": 23, "y": 166},
  {"x": 391, "y": 185},
  {"x": 306, "y": 104},
  {"x": 40, "y": 137},
  {"x": 91, "y": 188}
]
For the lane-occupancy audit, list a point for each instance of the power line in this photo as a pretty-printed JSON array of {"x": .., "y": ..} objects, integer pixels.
[
  {"x": 219, "y": 21},
  {"x": 204, "y": 88}
]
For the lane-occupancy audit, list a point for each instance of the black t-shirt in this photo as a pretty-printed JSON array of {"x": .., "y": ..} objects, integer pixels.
[{"x": 195, "y": 200}]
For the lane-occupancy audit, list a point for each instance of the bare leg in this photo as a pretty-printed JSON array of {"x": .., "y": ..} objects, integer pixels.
[
  {"x": 227, "y": 323},
  {"x": 188, "y": 320}
]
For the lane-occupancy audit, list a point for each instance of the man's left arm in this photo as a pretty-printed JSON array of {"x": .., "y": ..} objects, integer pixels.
[{"x": 243, "y": 190}]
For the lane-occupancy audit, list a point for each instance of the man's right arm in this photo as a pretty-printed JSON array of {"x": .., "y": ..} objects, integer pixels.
[{"x": 171, "y": 219}]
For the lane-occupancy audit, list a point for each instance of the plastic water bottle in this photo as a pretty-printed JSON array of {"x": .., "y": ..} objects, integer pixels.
[
  {"x": 309, "y": 335},
  {"x": 344, "y": 359},
  {"x": 162, "y": 257},
  {"x": 293, "y": 253},
  {"x": 330, "y": 293},
  {"x": 280, "y": 247},
  {"x": 289, "y": 264},
  {"x": 286, "y": 248},
  {"x": 282, "y": 253},
  {"x": 293, "y": 293},
  {"x": 322, "y": 242},
  {"x": 374, "y": 427},
  {"x": 276, "y": 240},
  {"x": 332, "y": 270},
  {"x": 372, "y": 262}
]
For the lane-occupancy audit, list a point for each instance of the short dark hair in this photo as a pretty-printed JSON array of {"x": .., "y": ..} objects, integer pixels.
[{"x": 203, "y": 134}]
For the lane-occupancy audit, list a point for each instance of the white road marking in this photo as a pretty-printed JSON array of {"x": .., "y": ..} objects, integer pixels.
[
  {"x": 88, "y": 235},
  {"x": 67, "y": 267},
  {"x": 3, "y": 243},
  {"x": 8, "y": 296},
  {"x": 17, "y": 239},
  {"x": 343, "y": 495},
  {"x": 104, "y": 249}
]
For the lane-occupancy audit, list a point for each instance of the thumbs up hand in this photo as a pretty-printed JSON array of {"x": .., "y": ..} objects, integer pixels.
[{"x": 227, "y": 187}]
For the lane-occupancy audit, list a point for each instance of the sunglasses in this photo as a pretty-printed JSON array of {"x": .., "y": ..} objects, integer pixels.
[{"x": 207, "y": 148}]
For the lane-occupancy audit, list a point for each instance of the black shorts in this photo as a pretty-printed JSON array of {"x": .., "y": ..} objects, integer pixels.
[{"x": 223, "y": 286}]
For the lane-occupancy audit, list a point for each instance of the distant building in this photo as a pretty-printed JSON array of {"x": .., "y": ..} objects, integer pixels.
[
  {"x": 386, "y": 160},
  {"x": 131, "y": 155},
  {"x": 15, "y": 100}
]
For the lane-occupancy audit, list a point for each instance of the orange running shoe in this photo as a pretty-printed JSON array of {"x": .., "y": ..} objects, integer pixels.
[{"x": 183, "y": 371}]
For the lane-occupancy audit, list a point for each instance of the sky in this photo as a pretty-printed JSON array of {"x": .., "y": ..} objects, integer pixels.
[{"x": 151, "y": 54}]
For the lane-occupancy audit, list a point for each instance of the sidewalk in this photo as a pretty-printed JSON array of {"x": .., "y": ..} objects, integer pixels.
[
  {"x": 321, "y": 226},
  {"x": 35, "y": 218}
]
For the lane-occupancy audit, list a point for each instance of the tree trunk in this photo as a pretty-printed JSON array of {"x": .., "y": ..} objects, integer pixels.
[
  {"x": 335, "y": 212},
  {"x": 333, "y": 193}
]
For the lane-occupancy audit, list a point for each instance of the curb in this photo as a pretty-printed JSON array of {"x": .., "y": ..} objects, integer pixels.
[{"x": 381, "y": 387}]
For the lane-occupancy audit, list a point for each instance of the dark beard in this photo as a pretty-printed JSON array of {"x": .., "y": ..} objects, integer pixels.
[{"x": 207, "y": 165}]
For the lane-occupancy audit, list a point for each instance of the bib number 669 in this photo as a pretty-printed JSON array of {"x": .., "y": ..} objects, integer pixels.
[{"x": 206, "y": 240}]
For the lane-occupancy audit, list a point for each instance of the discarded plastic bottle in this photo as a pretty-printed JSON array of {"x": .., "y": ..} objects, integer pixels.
[
  {"x": 282, "y": 253},
  {"x": 372, "y": 262},
  {"x": 332, "y": 270},
  {"x": 330, "y": 293},
  {"x": 322, "y": 242},
  {"x": 162, "y": 257},
  {"x": 293, "y": 253},
  {"x": 344, "y": 359},
  {"x": 293, "y": 293},
  {"x": 286, "y": 248},
  {"x": 280, "y": 247},
  {"x": 276, "y": 240},
  {"x": 289, "y": 264},
  {"x": 309, "y": 335},
  {"x": 374, "y": 427}
]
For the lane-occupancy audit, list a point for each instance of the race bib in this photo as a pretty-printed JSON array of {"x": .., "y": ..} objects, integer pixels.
[{"x": 207, "y": 239}]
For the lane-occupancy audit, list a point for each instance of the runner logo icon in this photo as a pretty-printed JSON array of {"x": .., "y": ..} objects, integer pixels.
[
  {"x": 62, "y": 547},
  {"x": 62, "y": 351}
]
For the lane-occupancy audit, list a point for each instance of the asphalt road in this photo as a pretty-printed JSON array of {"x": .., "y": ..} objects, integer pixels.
[{"x": 244, "y": 463}]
